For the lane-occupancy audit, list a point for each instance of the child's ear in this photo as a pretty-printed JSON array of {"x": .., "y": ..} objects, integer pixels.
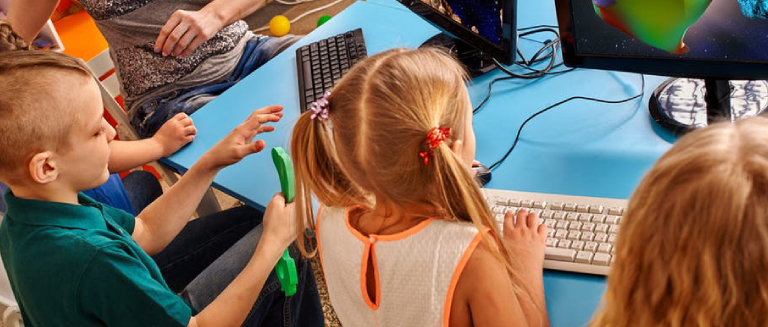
[
  {"x": 456, "y": 147},
  {"x": 42, "y": 168}
]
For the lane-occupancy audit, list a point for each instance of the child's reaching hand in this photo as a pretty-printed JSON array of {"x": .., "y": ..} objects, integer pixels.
[
  {"x": 175, "y": 133},
  {"x": 237, "y": 144},
  {"x": 526, "y": 238}
]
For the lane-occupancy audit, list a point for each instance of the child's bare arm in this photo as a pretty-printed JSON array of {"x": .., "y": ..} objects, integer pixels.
[
  {"x": 485, "y": 295},
  {"x": 162, "y": 220},
  {"x": 29, "y": 16},
  {"x": 174, "y": 134},
  {"x": 231, "y": 307}
]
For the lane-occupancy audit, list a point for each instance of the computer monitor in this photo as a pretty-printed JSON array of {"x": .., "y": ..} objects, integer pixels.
[
  {"x": 474, "y": 30},
  {"x": 713, "y": 40}
]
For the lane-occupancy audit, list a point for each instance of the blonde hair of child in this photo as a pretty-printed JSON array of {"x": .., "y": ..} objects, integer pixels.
[
  {"x": 380, "y": 114},
  {"x": 693, "y": 249},
  {"x": 32, "y": 116}
]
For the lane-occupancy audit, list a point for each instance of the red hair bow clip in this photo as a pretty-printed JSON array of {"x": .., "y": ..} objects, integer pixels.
[{"x": 435, "y": 136}]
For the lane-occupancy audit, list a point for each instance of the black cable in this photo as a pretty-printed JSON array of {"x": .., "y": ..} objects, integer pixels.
[{"x": 519, "y": 130}]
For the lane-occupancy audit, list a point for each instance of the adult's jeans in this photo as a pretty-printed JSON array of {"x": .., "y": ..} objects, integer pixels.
[{"x": 153, "y": 113}]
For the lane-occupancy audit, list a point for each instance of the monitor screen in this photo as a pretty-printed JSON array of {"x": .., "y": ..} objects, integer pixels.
[
  {"x": 480, "y": 16},
  {"x": 668, "y": 37},
  {"x": 488, "y": 25}
]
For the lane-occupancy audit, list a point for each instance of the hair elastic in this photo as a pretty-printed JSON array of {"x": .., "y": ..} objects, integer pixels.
[
  {"x": 320, "y": 108},
  {"x": 435, "y": 136}
]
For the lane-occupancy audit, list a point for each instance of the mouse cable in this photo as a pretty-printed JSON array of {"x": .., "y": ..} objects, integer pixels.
[
  {"x": 541, "y": 55},
  {"x": 490, "y": 85},
  {"x": 519, "y": 130}
]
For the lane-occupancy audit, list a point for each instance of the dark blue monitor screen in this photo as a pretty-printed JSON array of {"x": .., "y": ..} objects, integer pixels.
[
  {"x": 480, "y": 16},
  {"x": 721, "y": 30}
]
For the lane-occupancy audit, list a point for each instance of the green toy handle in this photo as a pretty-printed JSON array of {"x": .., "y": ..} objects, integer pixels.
[{"x": 286, "y": 267}]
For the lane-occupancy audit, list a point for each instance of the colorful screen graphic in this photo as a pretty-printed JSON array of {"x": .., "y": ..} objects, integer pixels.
[
  {"x": 480, "y": 16},
  {"x": 692, "y": 29}
]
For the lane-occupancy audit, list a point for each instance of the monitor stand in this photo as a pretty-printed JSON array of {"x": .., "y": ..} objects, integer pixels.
[
  {"x": 476, "y": 62},
  {"x": 685, "y": 104}
]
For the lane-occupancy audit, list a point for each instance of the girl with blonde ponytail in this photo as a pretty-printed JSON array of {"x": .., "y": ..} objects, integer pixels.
[{"x": 404, "y": 234}]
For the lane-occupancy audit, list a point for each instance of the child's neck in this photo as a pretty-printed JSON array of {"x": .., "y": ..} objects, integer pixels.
[
  {"x": 387, "y": 218},
  {"x": 50, "y": 193}
]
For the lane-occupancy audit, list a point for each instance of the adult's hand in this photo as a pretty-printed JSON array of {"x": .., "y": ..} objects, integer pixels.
[{"x": 187, "y": 30}]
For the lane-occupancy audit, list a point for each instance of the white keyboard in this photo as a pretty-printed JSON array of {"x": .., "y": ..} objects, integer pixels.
[{"x": 581, "y": 231}]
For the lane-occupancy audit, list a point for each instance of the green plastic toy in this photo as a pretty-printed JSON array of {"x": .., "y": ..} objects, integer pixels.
[
  {"x": 286, "y": 267},
  {"x": 323, "y": 19}
]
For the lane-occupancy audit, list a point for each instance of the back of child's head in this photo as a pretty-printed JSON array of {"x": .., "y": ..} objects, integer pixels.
[
  {"x": 693, "y": 247},
  {"x": 374, "y": 143},
  {"x": 36, "y": 113}
]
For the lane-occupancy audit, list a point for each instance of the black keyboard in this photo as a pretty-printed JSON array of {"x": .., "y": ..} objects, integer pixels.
[{"x": 321, "y": 64}]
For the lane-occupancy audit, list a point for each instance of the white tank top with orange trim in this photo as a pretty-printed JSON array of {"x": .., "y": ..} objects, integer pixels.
[{"x": 416, "y": 270}]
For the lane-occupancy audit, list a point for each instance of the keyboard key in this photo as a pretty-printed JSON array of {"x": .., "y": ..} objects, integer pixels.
[
  {"x": 616, "y": 211},
  {"x": 604, "y": 248},
  {"x": 614, "y": 220},
  {"x": 546, "y": 214},
  {"x": 583, "y": 208},
  {"x": 587, "y": 236},
  {"x": 584, "y": 257},
  {"x": 515, "y": 202},
  {"x": 612, "y": 239},
  {"x": 602, "y": 259},
  {"x": 614, "y": 229},
  {"x": 601, "y": 228},
  {"x": 562, "y": 224},
  {"x": 551, "y": 242},
  {"x": 559, "y": 215},
  {"x": 559, "y": 254},
  {"x": 577, "y": 245},
  {"x": 590, "y": 246},
  {"x": 585, "y": 217},
  {"x": 569, "y": 207},
  {"x": 526, "y": 203},
  {"x": 550, "y": 233},
  {"x": 540, "y": 204},
  {"x": 589, "y": 227},
  {"x": 556, "y": 206},
  {"x": 572, "y": 216},
  {"x": 601, "y": 237},
  {"x": 598, "y": 218},
  {"x": 561, "y": 234},
  {"x": 574, "y": 235},
  {"x": 575, "y": 226},
  {"x": 597, "y": 209},
  {"x": 551, "y": 223},
  {"x": 502, "y": 200},
  {"x": 564, "y": 244}
]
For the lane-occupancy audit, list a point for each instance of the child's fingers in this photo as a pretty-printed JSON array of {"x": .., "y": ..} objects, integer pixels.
[
  {"x": 189, "y": 138},
  {"x": 509, "y": 221},
  {"x": 542, "y": 230},
  {"x": 520, "y": 221},
  {"x": 190, "y": 130},
  {"x": 532, "y": 220},
  {"x": 257, "y": 146}
]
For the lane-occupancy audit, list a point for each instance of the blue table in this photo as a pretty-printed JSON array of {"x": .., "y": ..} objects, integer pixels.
[{"x": 580, "y": 148}]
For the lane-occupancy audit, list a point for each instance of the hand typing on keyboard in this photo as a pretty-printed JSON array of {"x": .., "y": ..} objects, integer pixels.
[
  {"x": 581, "y": 231},
  {"x": 526, "y": 238}
]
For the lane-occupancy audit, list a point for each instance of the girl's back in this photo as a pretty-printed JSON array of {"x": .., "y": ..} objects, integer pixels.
[
  {"x": 413, "y": 281},
  {"x": 407, "y": 238}
]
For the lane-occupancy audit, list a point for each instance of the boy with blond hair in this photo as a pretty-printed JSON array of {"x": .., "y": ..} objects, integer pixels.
[{"x": 74, "y": 262}]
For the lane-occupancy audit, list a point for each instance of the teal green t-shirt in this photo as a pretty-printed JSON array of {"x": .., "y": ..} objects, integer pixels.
[{"x": 77, "y": 265}]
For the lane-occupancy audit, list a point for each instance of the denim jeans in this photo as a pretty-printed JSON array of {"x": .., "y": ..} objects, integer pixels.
[
  {"x": 151, "y": 114},
  {"x": 209, "y": 252},
  {"x": 272, "y": 308}
]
